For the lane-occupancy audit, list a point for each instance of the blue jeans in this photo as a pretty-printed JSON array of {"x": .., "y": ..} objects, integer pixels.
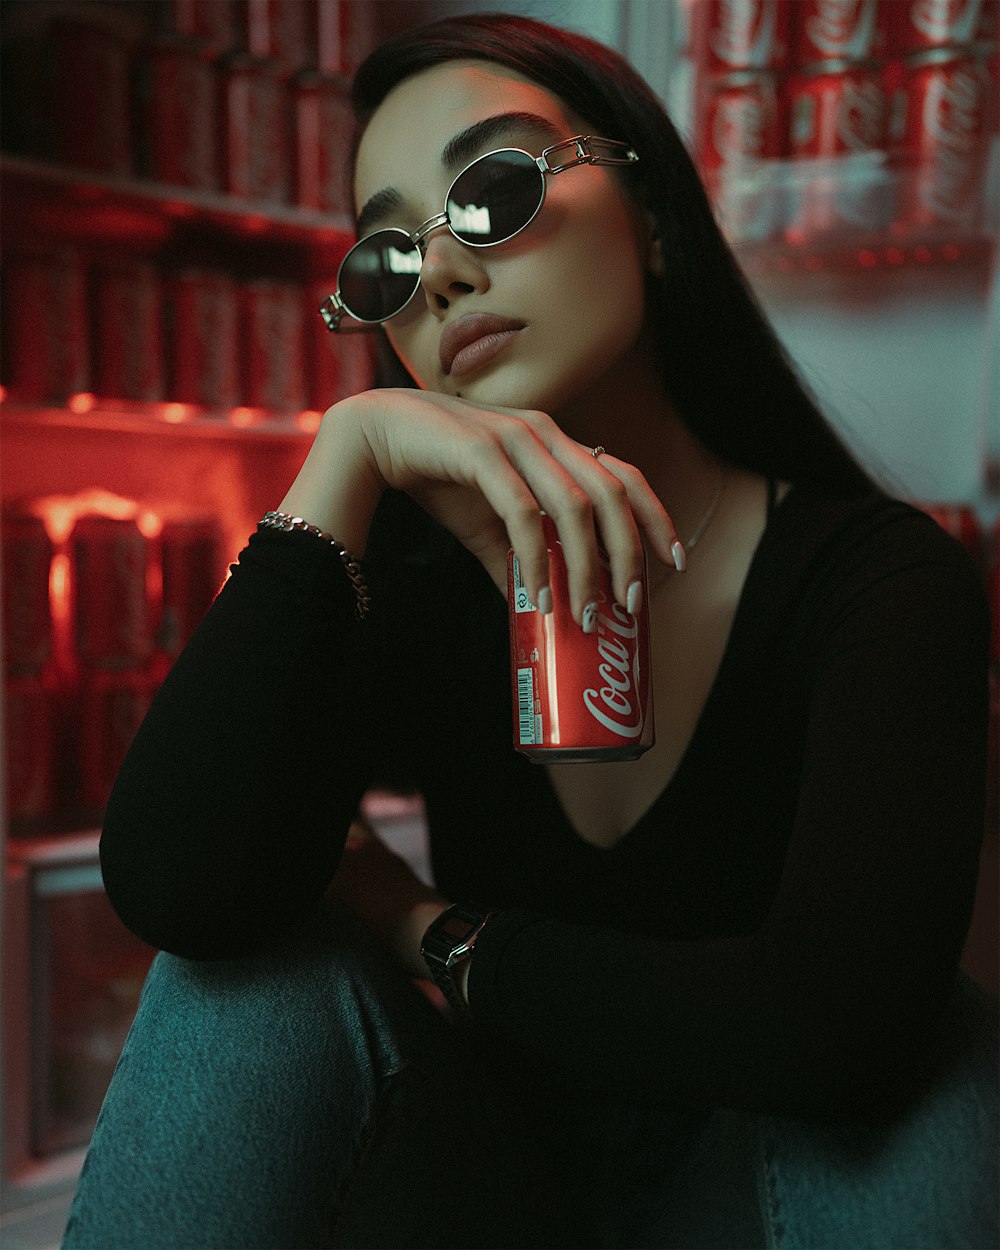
[{"x": 314, "y": 1098}]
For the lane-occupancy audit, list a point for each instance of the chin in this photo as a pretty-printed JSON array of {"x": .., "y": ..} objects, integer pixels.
[{"x": 506, "y": 389}]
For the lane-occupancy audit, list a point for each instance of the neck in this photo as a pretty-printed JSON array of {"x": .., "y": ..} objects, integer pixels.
[{"x": 628, "y": 411}]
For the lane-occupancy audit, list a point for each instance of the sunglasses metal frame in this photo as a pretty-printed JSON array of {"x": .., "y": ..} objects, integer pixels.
[{"x": 584, "y": 149}]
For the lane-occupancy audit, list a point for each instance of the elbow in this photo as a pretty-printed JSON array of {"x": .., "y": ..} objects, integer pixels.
[{"x": 196, "y": 907}]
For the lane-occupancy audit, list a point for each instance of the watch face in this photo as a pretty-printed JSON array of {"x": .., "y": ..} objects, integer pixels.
[{"x": 454, "y": 926}]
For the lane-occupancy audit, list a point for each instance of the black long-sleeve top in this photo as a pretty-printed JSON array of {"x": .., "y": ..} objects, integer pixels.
[{"x": 779, "y": 930}]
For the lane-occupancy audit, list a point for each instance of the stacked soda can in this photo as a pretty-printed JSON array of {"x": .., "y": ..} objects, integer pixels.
[
  {"x": 30, "y": 678},
  {"x": 114, "y": 635},
  {"x": 838, "y": 118},
  {"x": 883, "y": 109},
  {"x": 740, "y": 49},
  {"x": 92, "y": 621},
  {"x": 205, "y": 94},
  {"x": 45, "y": 324},
  {"x": 943, "y": 77},
  {"x": 126, "y": 331}
]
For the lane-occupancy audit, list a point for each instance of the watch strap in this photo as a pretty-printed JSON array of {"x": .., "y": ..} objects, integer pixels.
[{"x": 448, "y": 943}]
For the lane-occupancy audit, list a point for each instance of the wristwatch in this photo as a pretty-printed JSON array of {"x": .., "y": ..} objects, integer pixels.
[{"x": 447, "y": 944}]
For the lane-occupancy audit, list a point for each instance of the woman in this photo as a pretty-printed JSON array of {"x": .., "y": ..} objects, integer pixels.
[{"x": 682, "y": 974}]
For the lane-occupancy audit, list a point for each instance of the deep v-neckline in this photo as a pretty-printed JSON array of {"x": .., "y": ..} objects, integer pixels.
[{"x": 673, "y": 781}]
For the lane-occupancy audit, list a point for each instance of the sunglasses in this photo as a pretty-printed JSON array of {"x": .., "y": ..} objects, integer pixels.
[{"x": 490, "y": 201}]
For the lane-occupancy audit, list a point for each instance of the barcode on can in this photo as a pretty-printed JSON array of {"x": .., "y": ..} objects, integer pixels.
[
  {"x": 522, "y": 603},
  {"x": 529, "y": 722}
]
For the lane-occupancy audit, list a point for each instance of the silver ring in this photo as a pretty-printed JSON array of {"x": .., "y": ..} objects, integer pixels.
[{"x": 598, "y": 451}]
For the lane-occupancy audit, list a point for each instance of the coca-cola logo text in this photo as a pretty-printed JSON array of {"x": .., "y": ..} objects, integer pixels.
[
  {"x": 841, "y": 27},
  {"x": 745, "y": 32},
  {"x": 739, "y": 128},
  {"x": 952, "y": 108},
  {"x": 945, "y": 21},
  {"x": 861, "y": 116},
  {"x": 952, "y": 119},
  {"x": 617, "y": 704}
]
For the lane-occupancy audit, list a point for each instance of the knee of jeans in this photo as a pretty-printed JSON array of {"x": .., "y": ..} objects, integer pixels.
[{"x": 322, "y": 987}]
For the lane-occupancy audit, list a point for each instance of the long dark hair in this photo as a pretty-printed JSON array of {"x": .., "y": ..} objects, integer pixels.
[{"x": 725, "y": 371}]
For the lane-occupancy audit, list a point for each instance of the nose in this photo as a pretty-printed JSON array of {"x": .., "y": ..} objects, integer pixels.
[{"x": 450, "y": 269}]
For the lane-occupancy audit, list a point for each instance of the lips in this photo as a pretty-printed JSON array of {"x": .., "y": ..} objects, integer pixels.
[{"x": 473, "y": 339}]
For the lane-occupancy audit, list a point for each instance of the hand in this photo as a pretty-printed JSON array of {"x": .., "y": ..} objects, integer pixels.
[
  {"x": 378, "y": 887},
  {"x": 485, "y": 474}
]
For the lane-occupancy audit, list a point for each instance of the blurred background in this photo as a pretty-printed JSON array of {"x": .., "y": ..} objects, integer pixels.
[{"x": 175, "y": 208}]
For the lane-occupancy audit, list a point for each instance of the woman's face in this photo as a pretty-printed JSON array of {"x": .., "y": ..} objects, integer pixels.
[{"x": 572, "y": 282}]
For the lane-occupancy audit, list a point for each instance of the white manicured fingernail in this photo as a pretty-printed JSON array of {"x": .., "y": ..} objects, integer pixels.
[
  {"x": 679, "y": 554},
  {"x": 544, "y": 604},
  {"x": 633, "y": 599},
  {"x": 590, "y": 618}
]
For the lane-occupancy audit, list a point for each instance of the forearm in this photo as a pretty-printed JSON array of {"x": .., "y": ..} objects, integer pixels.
[
  {"x": 338, "y": 488},
  {"x": 228, "y": 814}
]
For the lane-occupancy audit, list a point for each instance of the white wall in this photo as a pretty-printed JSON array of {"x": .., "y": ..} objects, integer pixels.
[{"x": 900, "y": 360}]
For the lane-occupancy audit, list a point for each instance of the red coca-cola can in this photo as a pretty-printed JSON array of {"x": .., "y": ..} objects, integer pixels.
[
  {"x": 129, "y": 332},
  {"x": 93, "y": 96},
  {"x": 577, "y": 696},
  {"x": 740, "y": 34},
  {"x": 323, "y": 123},
  {"x": 273, "y": 346},
  {"x": 177, "y": 91},
  {"x": 27, "y": 615},
  {"x": 949, "y": 99},
  {"x": 345, "y": 34},
  {"x": 837, "y": 109},
  {"x": 257, "y": 131},
  {"x": 741, "y": 125},
  {"x": 917, "y": 25},
  {"x": 112, "y": 706},
  {"x": 45, "y": 325},
  {"x": 114, "y": 621},
  {"x": 211, "y": 25},
  {"x": 742, "y": 121},
  {"x": 279, "y": 31},
  {"x": 30, "y": 737},
  {"x": 204, "y": 339},
  {"x": 838, "y": 30},
  {"x": 191, "y": 576},
  {"x": 839, "y": 123}
]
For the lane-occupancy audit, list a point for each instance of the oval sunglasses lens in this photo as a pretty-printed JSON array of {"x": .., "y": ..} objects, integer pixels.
[
  {"x": 379, "y": 275},
  {"x": 495, "y": 197}
]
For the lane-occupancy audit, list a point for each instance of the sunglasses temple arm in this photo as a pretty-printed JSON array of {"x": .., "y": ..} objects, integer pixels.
[{"x": 333, "y": 313}]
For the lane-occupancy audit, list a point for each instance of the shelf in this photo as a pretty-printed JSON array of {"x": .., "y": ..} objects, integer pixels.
[
  {"x": 75, "y": 203},
  {"x": 864, "y": 251},
  {"x": 848, "y": 213},
  {"x": 164, "y": 420}
]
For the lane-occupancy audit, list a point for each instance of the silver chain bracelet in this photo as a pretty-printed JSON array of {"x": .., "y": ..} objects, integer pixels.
[{"x": 282, "y": 521}]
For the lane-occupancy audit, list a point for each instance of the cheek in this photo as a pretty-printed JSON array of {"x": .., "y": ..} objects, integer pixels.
[
  {"x": 413, "y": 344},
  {"x": 598, "y": 283}
]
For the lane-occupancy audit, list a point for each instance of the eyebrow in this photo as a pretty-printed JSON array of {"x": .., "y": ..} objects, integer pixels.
[{"x": 458, "y": 152}]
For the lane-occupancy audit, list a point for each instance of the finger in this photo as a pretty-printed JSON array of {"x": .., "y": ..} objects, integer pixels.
[
  {"x": 562, "y": 497},
  {"x": 648, "y": 515},
  {"x": 625, "y": 508},
  {"x": 619, "y": 534}
]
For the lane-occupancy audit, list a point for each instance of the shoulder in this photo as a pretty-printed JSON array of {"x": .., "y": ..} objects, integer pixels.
[
  {"x": 818, "y": 534},
  {"x": 873, "y": 564}
]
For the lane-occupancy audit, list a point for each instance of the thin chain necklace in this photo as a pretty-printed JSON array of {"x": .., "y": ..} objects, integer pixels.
[
  {"x": 709, "y": 516},
  {"x": 701, "y": 527}
]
